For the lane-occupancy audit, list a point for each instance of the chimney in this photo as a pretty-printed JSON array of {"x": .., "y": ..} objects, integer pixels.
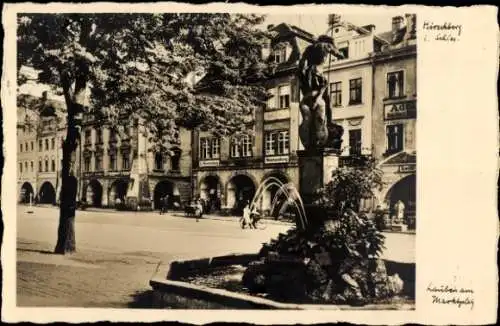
[
  {"x": 411, "y": 25},
  {"x": 397, "y": 26},
  {"x": 334, "y": 19}
]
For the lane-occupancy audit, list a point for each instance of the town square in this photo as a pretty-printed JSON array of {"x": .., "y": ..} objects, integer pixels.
[{"x": 216, "y": 161}]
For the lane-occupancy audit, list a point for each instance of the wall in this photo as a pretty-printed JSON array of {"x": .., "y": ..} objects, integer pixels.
[
  {"x": 354, "y": 116},
  {"x": 405, "y": 61}
]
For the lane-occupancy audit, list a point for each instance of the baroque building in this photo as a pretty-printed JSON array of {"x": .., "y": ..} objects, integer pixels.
[
  {"x": 229, "y": 171},
  {"x": 394, "y": 115},
  {"x": 112, "y": 166}
]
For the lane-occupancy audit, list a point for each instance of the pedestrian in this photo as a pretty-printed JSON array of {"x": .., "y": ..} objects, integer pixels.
[
  {"x": 165, "y": 204},
  {"x": 245, "y": 219},
  {"x": 199, "y": 209}
]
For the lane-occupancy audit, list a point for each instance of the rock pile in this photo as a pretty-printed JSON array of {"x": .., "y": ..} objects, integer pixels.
[{"x": 323, "y": 267}]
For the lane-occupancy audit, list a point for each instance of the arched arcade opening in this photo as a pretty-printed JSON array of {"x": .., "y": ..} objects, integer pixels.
[
  {"x": 117, "y": 192},
  {"x": 210, "y": 192},
  {"x": 405, "y": 191},
  {"x": 162, "y": 189},
  {"x": 47, "y": 193},
  {"x": 93, "y": 195},
  {"x": 240, "y": 190},
  {"x": 26, "y": 193},
  {"x": 274, "y": 194}
]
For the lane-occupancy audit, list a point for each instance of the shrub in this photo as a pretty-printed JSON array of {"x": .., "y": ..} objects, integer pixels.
[{"x": 349, "y": 185}]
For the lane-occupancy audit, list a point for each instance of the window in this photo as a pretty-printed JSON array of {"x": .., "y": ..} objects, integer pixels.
[
  {"x": 209, "y": 148},
  {"x": 88, "y": 135},
  {"x": 46, "y": 144},
  {"x": 98, "y": 163},
  {"x": 32, "y": 166},
  {"x": 270, "y": 143},
  {"x": 344, "y": 49},
  {"x": 20, "y": 147},
  {"x": 86, "y": 164},
  {"x": 32, "y": 146},
  {"x": 112, "y": 135},
  {"x": 39, "y": 166},
  {"x": 394, "y": 138},
  {"x": 125, "y": 162},
  {"x": 26, "y": 149},
  {"x": 242, "y": 147},
  {"x": 336, "y": 94},
  {"x": 159, "y": 161},
  {"x": 279, "y": 55},
  {"x": 20, "y": 167},
  {"x": 355, "y": 91},
  {"x": 53, "y": 165},
  {"x": 284, "y": 97},
  {"x": 112, "y": 162},
  {"x": 395, "y": 84},
  {"x": 283, "y": 142},
  {"x": 46, "y": 165},
  {"x": 215, "y": 148},
  {"x": 277, "y": 143},
  {"x": 40, "y": 145},
  {"x": 53, "y": 143},
  {"x": 355, "y": 142},
  {"x": 26, "y": 166},
  {"x": 175, "y": 160},
  {"x": 98, "y": 133}
]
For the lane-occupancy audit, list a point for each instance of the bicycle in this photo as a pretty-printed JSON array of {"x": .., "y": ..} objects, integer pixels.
[{"x": 256, "y": 222}]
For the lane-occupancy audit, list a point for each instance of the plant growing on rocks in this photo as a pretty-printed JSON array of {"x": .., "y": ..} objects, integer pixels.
[{"x": 336, "y": 262}]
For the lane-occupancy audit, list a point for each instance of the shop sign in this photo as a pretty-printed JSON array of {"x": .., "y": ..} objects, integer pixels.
[
  {"x": 402, "y": 110},
  {"x": 277, "y": 159},
  {"x": 209, "y": 163},
  {"x": 407, "y": 168}
]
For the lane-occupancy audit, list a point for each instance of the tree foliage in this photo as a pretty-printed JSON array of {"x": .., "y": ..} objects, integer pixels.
[
  {"x": 350, "y": 184},
  {"x": 141, "y": 66}
]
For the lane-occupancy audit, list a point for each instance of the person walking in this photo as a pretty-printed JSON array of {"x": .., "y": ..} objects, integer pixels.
[
  {"x": 245, "y": 219},
  {"x": 165, "y": 204}
]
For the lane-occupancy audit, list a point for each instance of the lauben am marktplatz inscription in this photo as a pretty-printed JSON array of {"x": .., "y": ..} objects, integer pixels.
[{"x": 451, "y": 295}]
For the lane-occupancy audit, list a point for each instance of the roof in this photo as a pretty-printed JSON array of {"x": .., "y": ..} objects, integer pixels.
[
  {"x": 282, "y": 28},
  {"x": 32, "y": 108},
  {"x": 403, "y": 158},
  {"x": 386, "y": 36}
]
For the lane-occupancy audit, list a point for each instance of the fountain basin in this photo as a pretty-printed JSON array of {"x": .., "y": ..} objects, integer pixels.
[{"x": 171, "y": 290}]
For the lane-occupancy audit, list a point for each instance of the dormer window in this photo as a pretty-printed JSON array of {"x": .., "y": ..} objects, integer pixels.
[
  {"x": 344, "y": 49},
  {"x": 279, "y": 55}
]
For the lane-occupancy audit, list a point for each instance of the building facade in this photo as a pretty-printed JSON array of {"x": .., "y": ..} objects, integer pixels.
[
  {"x": 351, "y": 85},
  {"x": 39, "y": 151},
  {"x": 113, "y": 166},
  {"x": 229, "y": 172},
  {"x": 394, "y": 115}
]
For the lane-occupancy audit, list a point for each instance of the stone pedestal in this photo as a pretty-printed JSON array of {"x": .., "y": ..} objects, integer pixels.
[{"x": 315, "y": 171}]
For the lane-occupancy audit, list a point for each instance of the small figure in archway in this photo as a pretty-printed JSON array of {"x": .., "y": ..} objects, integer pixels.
[
  {"x": 399, "y": 210},
  {"x": 164, "y": 206}
]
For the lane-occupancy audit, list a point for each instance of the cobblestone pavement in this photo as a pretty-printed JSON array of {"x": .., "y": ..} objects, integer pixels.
[{"x": 118, "y": 252}]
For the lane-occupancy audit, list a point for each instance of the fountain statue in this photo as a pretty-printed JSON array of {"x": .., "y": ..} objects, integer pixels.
[
  {"x": 317, "y": 129},
  {"x": 320, "y": 136}
]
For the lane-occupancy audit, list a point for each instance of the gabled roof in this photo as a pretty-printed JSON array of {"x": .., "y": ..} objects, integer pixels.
[{"x": 283, "y": 28}]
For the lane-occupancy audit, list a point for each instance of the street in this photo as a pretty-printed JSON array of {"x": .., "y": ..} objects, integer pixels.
[{"x": 117, "y": 253}]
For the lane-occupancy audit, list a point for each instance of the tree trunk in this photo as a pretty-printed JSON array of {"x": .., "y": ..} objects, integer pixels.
[{"x": 66, "y": 242}]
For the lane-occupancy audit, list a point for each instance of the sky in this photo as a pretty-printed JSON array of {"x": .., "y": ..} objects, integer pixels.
[{"x": 317, "y": 24}]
